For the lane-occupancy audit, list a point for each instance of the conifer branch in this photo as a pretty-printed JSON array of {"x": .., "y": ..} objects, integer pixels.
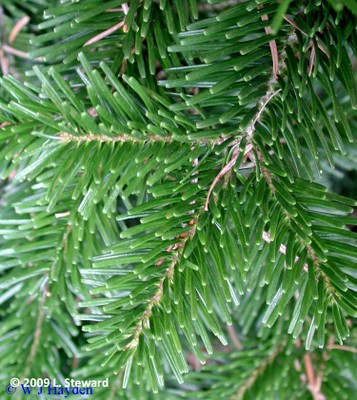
[
  {"x": 313, "y": 256},
  {"x": 208, "y": 87},
  {"x": 155, "y": 300},
  {"x": 256, "y": 373},
  {"x": 116, "y": 385},
  {"x": 263, "y": 102},
  {"x": 177, "y": 251},
  {"x": 266, "y": 173},
  {"x": 37, "y": 333},
  {"x": 65, "y": 137},
  {"x": 41, "y": 311},
  {"x": 278, "y": 66}
]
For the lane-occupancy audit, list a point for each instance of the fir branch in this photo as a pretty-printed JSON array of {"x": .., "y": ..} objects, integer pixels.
[
  {"x": 227, "y": 54},
  {"x": 37, "y": 333},
  {"x": 256, "y": 373},
  {"x": 266, "y": 173},
  {"x": 278, "y": 67},
  {"x": 155, "y": 300},
  {"x": 177, "y": 251},
  {"x": 116, "y": 385},
  {"x": 41, "y": 312},
  {"x": 65, "y": 137},
  {"x": 313, "y": 256},
  {"x": 264, "y": 101}
]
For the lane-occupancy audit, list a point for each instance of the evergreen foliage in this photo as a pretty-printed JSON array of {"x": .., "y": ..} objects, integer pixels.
[{"x": 168, "y": 178}]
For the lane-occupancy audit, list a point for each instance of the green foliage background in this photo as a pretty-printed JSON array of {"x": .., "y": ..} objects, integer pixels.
[{"x": 177, "y": 189}]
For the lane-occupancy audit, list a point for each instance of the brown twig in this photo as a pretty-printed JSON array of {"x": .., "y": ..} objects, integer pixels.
[
  {"x": 272, "y": 45},
  {"x": 19, "y": 53},
  {"x": 125, "y": 8},
  {"x": 292, "y": 23},
  {"x": 312, "y": 59},
  {"x": 226, "y": 169},
  {"x": 18, "y": 27},
  {"x": 235, "y": 340},
  {"x": 265, "y": 101},
  {"x": 311, "y": 44},
  {"x": 321, "y": 47},
  {"x": 13, "y": 51},
  {"x": 341, "y": 347},
  {"x": 4, "y": 63},
  {"x": 114, "y": 28},
  {"x": 105, "y": 33},
  {"x": 314, "y": 383}
]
